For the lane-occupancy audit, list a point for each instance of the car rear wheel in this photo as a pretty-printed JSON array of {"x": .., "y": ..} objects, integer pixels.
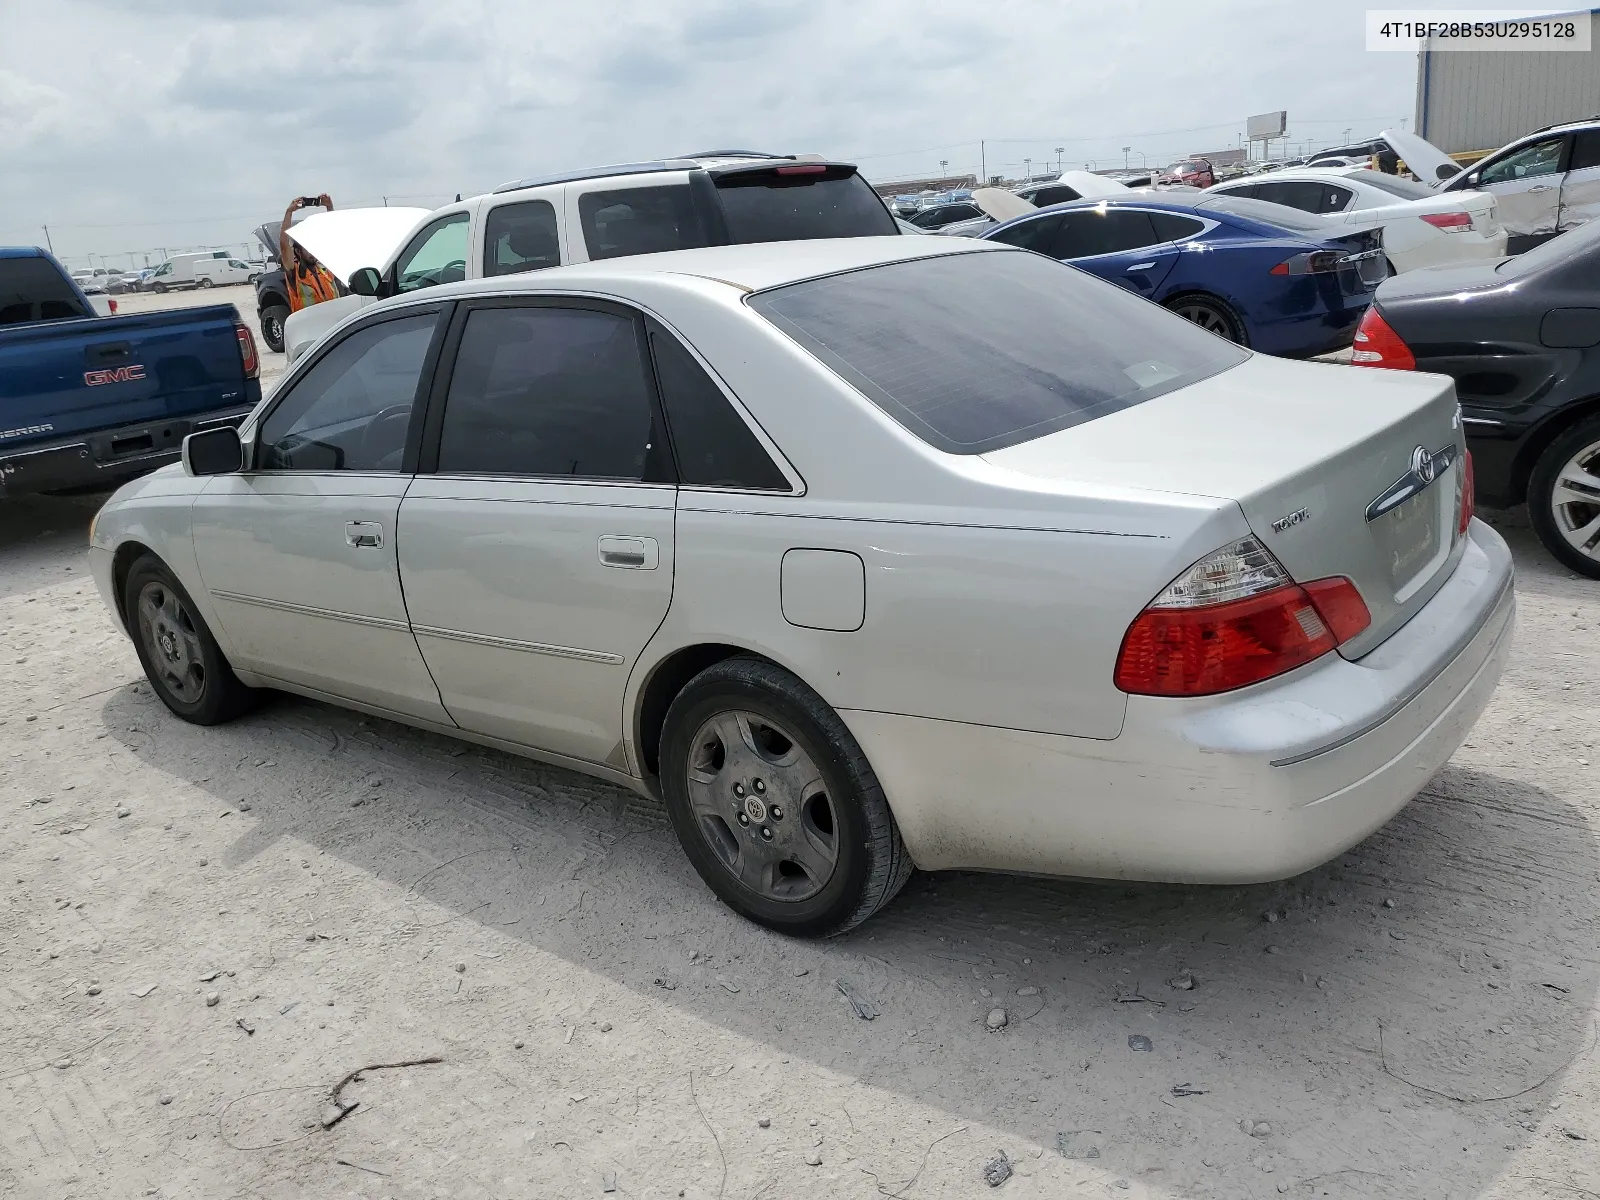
[
  {"x": 205, "y": 281},
  {"x": 1564, "y": 498},
  {"x": 272, "y": 320},
  {"x": 1211, "y": 314},
  {"x": 775, "y": 804},
  {"x": 181, "y": 659}
]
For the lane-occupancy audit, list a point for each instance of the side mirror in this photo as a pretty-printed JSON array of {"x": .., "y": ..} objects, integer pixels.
[
  {"x": 213, "y": 452},
  {"x": 366, "y": 282}
]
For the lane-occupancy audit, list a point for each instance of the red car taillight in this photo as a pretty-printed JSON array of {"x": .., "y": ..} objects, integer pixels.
[
  {"x": 1469, "y": 502},
  {"x": 1318, "y": 262},
  {"x": 1378, "y": 345},
  {"x": 1233, "y": 619},
  {"x": 113, "y": 305},
  {"x": 1456, "y": 222},
  {"x": 247, "y": 350}
]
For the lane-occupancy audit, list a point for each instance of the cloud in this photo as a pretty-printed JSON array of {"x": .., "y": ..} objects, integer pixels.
[{"x": 182, "y": 122}]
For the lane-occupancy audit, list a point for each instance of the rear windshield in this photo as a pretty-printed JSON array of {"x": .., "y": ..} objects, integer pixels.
[
  {"x": 1266, "y": 212},
  {"x": 32, "y": 289},
  {"x": 1406, "y": 189},
  {"x": 801, "y": 202},
  {"x": 978, "y": 351}
]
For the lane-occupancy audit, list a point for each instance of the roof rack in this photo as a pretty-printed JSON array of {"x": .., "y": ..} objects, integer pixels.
[
  {"x": 1561, "y": 124},
  {"x": 734, "y": 154},
  {"x": 638, "y": 168}
]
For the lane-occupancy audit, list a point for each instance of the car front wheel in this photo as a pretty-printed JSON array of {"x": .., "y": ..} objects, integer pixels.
[
  {"x": 775, "y": 804},
  {"x": 272, "y": 319},
  {"x": 181, "y": 659},
  {"x": 1564, "y": 498}
]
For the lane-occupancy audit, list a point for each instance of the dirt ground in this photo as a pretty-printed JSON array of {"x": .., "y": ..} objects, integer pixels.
[{"x": 205, "y": 930}]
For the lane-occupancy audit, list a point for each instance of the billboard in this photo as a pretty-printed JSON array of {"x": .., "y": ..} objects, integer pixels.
[{"x": 1267, "y": 125}]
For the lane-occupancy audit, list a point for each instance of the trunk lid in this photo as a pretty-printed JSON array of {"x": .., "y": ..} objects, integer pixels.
[{"x": 1319, "y": 457}]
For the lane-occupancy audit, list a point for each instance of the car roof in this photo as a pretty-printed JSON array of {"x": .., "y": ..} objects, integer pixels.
[
  {"x": 21, "y": 252},
  {"x": 750, "y": 268}
]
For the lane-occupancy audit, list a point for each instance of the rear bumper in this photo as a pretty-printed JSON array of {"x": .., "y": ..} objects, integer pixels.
[
  {"x": 1310, "y": 334},
  {"x": 109, "y": 456},
  {"x": 1258, "y": 784}
]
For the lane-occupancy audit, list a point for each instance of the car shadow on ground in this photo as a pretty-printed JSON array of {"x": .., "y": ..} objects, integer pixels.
[
  {"x": 1391, "y": 1015},
  {"x": 34, "y": 530}
]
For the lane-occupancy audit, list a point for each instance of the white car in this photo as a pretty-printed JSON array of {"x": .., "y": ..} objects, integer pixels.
[
  {"x": 858, "y": 553},
  {"x": 725, "y": 196},
  {"x": 1421, "y": 227}
]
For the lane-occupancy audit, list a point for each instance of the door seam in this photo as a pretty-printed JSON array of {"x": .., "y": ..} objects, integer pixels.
[{"x": 405, "y": 605}]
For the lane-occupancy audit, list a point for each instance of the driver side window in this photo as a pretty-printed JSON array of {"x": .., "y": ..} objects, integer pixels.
[
  {"x": 1541, "y": 158},
  {"x": 436, "y": 255},
  {"x": 350, "y": 411}
]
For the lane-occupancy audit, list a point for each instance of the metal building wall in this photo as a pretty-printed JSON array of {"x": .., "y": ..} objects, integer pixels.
[{"x": 1468, "y": 101}]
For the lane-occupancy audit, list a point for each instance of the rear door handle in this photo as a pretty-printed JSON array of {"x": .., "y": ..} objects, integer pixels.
[
  {"x": 363, "y": 533},
  {"x": 625, "y": 550}
]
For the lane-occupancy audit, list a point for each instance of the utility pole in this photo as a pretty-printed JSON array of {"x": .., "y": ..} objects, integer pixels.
[
  {"x": 1125, "y": 151},
  {"x": 1060, "y": 150},
  {"x": 944, "y": 167},
  {"x": 1027, "y": 166},
  {"x": 48, "y": 246},
  {"x": 983, "y": 165}
]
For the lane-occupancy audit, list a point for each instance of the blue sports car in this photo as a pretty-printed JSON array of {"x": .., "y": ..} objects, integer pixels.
[{"x": 1268, "y": 277}]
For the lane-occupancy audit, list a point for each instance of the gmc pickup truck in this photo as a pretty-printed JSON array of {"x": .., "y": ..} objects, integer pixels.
[{"x": 88, "y": 401}]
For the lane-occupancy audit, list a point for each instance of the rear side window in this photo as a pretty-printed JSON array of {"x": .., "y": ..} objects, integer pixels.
[
  {"x": 799, "y": 202},
  {"x": 545, "y": 391},
  {"x": 982, "y": 350},
  {"x": 520, "y": 237},
  {"x": 1091, "y": 231},
  {"x": 715, "y": 448},
  {"x": 1170, "y": 227},
  {"x": 643, "y": 220},
  {"x": 1585, "y": 150},
  {"x": 32, "y": 289},
  {"x": 1308, "y": 195}
]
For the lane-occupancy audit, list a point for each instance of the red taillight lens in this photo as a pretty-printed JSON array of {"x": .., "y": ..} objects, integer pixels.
[
  {"x": 1340, "y": 605},
  {"x": 247, "y": 351},
  {"x": 113, "y": 305},
  {"x": 1378, "y": 345},
  {"x": 1233, "y": 619},
  {"x": 1318, "y": 262},
  {"x": 1469, "y": 502},
  {"x": 1456, "y": 222},
  {"x": 804, "y": 169}
]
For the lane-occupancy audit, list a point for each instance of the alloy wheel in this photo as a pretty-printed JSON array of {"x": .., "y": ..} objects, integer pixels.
[
  {"x": 1207, "y": 317},
  {"x": 1575, "y": 501},
  {"x": 762, "y": 806},
  {"x": 171, "y": 642}
]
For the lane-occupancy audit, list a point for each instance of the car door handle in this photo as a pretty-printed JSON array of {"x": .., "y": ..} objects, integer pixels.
[
  {"x": 1149, "y": 266},
  {"x": 1543, "y": 187},
  {"x": 363, "y": 533},
  {"x": 623, "y": 550}
]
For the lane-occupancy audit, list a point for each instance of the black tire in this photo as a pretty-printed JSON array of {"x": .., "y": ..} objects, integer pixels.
[
  {"x": 181, "y": 659},
  {"x": 1210, "y": 313},
  {"x": 159, "y": 288},
  {"x": 1554, "y": 516},
  {"x": 272, "y": 320},
  {"x": 205, "y": 281},
  {"x": 870, "y": 863}
]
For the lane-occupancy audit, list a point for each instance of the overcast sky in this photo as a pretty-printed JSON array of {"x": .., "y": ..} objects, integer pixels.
[{"x": 127, "y": 125}]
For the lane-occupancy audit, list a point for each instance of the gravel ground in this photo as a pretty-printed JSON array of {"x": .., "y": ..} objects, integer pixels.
[{"x": 207, "y": 929}]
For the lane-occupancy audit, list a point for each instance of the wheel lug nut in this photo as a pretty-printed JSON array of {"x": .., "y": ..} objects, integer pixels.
[
  {"x": 743, "y": 820},
  {"x": 760, "y": 787},
  {"x": 738, "y": 789},
  {"x": 766, "y": 833},
  {"x": 777, "y": 813}
]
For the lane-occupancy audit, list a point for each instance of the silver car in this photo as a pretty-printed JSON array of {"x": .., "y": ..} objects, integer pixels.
[{"x": 858, "y": 554}]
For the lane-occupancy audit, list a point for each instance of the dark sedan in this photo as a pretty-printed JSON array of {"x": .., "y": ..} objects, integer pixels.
[{"x": 1521, "y": 337}]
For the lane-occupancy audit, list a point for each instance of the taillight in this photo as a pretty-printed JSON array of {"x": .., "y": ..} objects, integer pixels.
[
  {"x": 1233, "y": 619},
  {"x": 803, "y": 169},
  {"x": 1318, "y": 262},
  {"x": 1378, "y": 345},
  {"x": 113, "y": 305},
  {"x": 1469, "y": 501},
  {"x": 1456, "y": 222},
  {"x": 247, "y": 350}
]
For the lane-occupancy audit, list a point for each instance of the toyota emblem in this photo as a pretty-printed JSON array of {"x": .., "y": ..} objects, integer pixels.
[{"x": 1422, "y": 464}]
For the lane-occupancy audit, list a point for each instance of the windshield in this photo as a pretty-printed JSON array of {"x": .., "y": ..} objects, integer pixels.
[
  {"x": 800, "y": 202},
  {"x": 978, "y": 351},
  {"x": 1265, "y": 211}
]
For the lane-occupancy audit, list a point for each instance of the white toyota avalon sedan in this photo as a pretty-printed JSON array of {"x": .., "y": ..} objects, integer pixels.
[{"x": 859, "y": 554}]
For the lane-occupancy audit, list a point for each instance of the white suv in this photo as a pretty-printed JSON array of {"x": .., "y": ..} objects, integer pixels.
[{"x": 710, "y": 199}]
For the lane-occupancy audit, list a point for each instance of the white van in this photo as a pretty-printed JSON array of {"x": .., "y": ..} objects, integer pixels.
[{"x": 200, "y": 269}]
